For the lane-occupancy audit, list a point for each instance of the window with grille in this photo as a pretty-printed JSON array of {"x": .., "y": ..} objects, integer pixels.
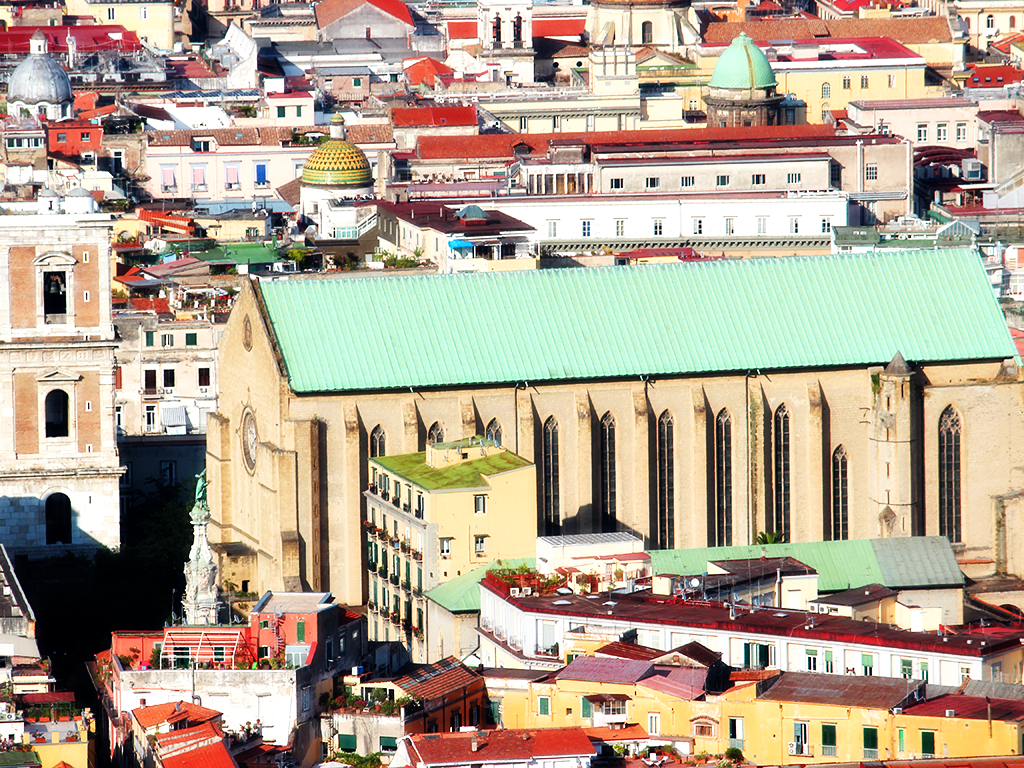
[
  {"x": 665, "y": 529},
  {"x": 723, "y": 479},
  {"x": 840, "y": 496},
  {"x": 781, "y": 510},
  {"x": 949, "y": 475},
  {"x": 549, "y": 462},
  {"x": 606, "y": 447}
]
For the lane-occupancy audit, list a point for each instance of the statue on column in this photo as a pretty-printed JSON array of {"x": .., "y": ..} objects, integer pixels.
[{"x": 200, "y": 601}]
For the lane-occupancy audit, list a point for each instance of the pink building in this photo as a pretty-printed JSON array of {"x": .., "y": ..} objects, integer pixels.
[{"x": 224, "y": 168}]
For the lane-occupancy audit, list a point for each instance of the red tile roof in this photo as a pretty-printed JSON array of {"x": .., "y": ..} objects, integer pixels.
[
  {"x": 969, "y": 707},
  {"x": 465, "y": 30},
  {"x": 996, "y": 76},
  {"x": 185, "y": 739},
  {"x": 632, "y": 732},
  {"x": 559, "y": 27},
  {"x": 499, "y": 746},
  {"x": 621, "y": 650},
  {"x": 685, "y": 683},
  {"x": 499, "y": 145},
  {"x": 425, "y": 70},
  {"x": 163, "y": 713},
  {"x": 906, "y": 31},
  {"x": 331, "y": 10},
  {"x": 606, "y": 670},
  {"x": 89, "y": 38},
  {"x": 405, "y": 117},
  {"x": 429, "y": 681},
  {"x": 213, "y": 756}
]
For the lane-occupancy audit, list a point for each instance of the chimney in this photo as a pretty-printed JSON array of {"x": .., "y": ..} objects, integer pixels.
[{"x": 472, "y": 742}]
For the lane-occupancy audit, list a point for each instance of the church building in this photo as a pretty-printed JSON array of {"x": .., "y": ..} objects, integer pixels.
[{"x": 693, "y": 404}]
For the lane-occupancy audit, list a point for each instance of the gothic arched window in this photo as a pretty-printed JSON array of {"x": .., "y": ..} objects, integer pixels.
[
  {"x": 435, "y": 434},
  {"x": 549, "y": 477},
  {"x": 723, "y": 479},
  {"x": 377, "y": 441},
  {"x": 840, "y": 495},
  {"x": 826, "y": 91},
  {"x": 493, "y": 431},
  {"x": 647, "y": 33},
  {"x": 665, "y": 529},
  {"x": 606, "y": 447},
  {"x": 781, "y": 484},
  {"x": 949, "y": 474}
]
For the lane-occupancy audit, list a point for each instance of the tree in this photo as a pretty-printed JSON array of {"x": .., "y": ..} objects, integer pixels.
[{"x": 771, "y": 537}]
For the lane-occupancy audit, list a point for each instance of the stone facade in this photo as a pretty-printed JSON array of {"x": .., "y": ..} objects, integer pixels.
[
  {"x": 58, "y": 462},
  {"x": 287, "y": 472}
]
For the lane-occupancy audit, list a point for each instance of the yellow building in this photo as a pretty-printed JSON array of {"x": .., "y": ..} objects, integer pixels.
[
  {"x": 64, "y": 740},
  {"x": 783, "y": 719},
  {"x": 433, "y": 515},
  {"x": 155, "y": 22},
  {"x": 828, "y": 74}
]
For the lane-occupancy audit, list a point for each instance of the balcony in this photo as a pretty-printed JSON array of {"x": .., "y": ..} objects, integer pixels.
[
  {"x": 550, "y": 652},
  {"x": 232, "y": 185},
  {"x": 396, "y": 619},
  {"x": 198, "y": 187},
  {"x": 829, "y": 750},
  {"x": 261, "y": 184},
  {"x": 736, "y": 743},
  {"x": 394, "y": 579},
  {"x": 870, "y": 754}
]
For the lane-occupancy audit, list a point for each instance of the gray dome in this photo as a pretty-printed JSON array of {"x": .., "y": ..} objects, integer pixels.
[{"x": 39, "y": 80}]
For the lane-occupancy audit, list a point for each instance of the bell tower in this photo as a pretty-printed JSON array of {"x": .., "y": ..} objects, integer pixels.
[
  {"x": 895, "y": 451},
  {"x": 505, "y": 31}
]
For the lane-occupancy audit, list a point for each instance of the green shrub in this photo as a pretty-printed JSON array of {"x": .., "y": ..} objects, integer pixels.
[{"x": 735, "y": 754}]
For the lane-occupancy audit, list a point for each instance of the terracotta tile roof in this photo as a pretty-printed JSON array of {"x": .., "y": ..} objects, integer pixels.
[
  {"x": 632, "y": 732},
  {"x": 622, "y": 650},
  {"x": 428, "y": 681},
  {"x": 686, "y": 683},
  {"x": 499, "y": 746},
  {"x": 330, "y": 11},
  {"x": 969, "y": 707},
  {"x": 932, "y": 29},
  {"x": 370, "y": 133},
  {"x": 606, "y": 670},
  {"x": 177, "y": 741},
  {"x": 425, "y": 70},
  {"x": 227, "y": 137},
  {"x": 404, "y": 117},
  {"x": 846, "y": 690},
  {"x": 213, "y": 756},
  {"x": 160, "y": 306},
  {"x": 993, "y": 76},
  {"x": 162, "y": 713},
  {"x": 501, "y": 145},
  {"x": 291, "y": 192},
  {"x": 549, "y": 48}
]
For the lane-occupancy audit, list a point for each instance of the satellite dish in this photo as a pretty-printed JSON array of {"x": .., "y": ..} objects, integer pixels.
[{"x": 694, "y": 582}]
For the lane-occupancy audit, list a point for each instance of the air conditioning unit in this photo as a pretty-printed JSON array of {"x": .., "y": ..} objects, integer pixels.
[
  {"x": 527, "y": 591},
  {"x": 897, "y": 710},
  {"x": 971, "y": 168},
  {"x": 950, "y": 713},
  {"x": 794, "y": 747},
  {"x": 514, "y": 591},
  {"x": 203, "y": 390}
]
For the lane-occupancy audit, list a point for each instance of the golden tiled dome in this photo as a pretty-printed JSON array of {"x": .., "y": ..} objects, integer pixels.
[{"x": 337, "y": 162}]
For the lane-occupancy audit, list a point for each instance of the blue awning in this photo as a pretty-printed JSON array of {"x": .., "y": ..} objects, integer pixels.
[{"x": 460, "y": 244}]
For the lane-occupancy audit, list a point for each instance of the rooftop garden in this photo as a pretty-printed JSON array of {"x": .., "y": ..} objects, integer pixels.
[{"x": 524, "y": 577}]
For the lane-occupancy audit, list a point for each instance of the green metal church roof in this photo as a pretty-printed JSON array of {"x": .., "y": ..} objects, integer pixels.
[
  {"x": 901, "y": 563},
  {"x": 462, "y": 594},
  {"x": 742, "y": 65},
  {"x": 613, "y": 322}
]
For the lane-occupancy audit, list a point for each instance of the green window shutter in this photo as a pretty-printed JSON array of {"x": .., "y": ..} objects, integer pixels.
[
  {"x": 347, "y": 742},
  {"x": 585, "y": 708},
  {"x": 388, "y": 743},
  {"x": 746, "y": 655},
  {"x": 828, "y": 655},
  {"x": 900, "y": 734},
  {"x": 408, "y": 572},
  {"x": 495, "y": 712},
  {"x": 906, "y": 668},
  {"x": 544, "y": 705},
  {"x": 870, "y": 738},
  {"x": 150, "y": 338},
  {"x": 300, "y": 631},
  {"x": 191, "y": 340},
  {"x": 419, "y": 579},
  {"x": 828, "y": 735},
  {"x": 924, "y": 670},
  {"x": 812, "y": 651},
  {"x": 928, "y": 742},
  {"x": 867, "y": 660}
]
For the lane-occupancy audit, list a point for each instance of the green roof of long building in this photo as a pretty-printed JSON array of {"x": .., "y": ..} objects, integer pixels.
[
  {"x": 900, "y": 563},
  {"x": 617, "y": 322}
]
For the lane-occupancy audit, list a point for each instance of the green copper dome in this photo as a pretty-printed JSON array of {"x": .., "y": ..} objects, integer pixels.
[
  {"x": 337, "y": 162},
  {"x": 743, "y": 66}
]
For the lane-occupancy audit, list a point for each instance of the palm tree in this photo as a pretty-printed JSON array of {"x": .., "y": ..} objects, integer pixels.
[{"x": 770, "y": 537}]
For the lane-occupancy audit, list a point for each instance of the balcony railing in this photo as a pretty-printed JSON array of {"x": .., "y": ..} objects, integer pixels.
[
  {"x": 829, "y": 750},
  {"x": 736, "y": 743},
  {"x": 394, "y": 579},
  {"x": 870, "y": 754},
  {"x": 550, "y": 652}
]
